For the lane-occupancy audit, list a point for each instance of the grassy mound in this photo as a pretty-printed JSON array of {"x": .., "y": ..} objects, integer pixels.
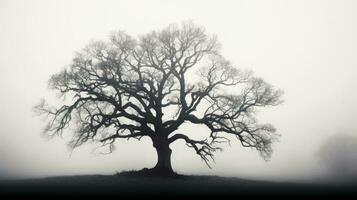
[{"x": 147, "y": 183}]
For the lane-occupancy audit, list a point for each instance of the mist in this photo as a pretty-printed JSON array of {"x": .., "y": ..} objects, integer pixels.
[{"x": 307, "y": 48}]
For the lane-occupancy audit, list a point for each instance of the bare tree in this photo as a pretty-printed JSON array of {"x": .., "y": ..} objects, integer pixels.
[{"x": 149, "y": 87}]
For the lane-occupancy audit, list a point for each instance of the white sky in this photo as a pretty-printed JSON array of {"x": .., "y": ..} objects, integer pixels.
[{"x": 305, "y": 47}]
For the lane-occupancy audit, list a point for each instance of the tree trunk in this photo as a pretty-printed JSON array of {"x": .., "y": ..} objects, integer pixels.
[{"x": 163, "y": 165}]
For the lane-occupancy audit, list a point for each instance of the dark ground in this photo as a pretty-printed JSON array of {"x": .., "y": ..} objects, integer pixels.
[{"x": 138, "y": 184}]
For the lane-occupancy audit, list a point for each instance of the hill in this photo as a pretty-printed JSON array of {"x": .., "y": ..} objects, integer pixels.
[{"x": 131, "y": 184}]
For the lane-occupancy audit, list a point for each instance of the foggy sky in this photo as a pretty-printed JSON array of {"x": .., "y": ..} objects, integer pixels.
[{"x": 307, "y": 48}]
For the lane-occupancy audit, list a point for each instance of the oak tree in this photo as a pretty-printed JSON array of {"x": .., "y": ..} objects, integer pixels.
[{"x": 149, "y": 86}]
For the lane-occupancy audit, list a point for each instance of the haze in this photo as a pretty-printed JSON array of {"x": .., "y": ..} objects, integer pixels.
[{"x": 307, "y": 48}]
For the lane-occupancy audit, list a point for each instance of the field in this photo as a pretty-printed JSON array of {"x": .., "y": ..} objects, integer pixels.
[{"x": 131, "y": 184}]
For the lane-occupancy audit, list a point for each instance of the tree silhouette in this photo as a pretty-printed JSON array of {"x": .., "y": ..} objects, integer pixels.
[
  {"x": 149, "y": 87},
  {"x": 338, "y": 155}
]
